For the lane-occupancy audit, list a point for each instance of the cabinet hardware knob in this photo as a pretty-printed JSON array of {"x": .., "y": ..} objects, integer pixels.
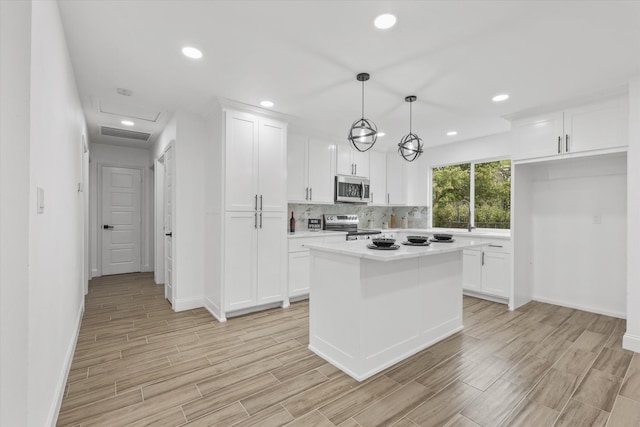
[
  {"x": 260, "y": 219},
  {"x": 261, "y": 202},
  {"x": 310, "y": 193},
  {"x": 306, "y": 197},
  {"x": 566, "y": 143},
  {"x": 559, "y": 144},
  {"x": 255, "y": 202},
  {"x": 255, "y": 220}
]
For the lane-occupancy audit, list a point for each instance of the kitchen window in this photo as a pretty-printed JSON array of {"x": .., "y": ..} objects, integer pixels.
[{"x": 472, "y": 195}]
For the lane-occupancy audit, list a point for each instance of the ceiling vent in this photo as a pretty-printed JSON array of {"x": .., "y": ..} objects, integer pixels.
[{"x": 124, "y": 133}]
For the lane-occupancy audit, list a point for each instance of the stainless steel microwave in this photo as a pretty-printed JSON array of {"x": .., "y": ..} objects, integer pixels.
[{"x": 351, "y": 189}]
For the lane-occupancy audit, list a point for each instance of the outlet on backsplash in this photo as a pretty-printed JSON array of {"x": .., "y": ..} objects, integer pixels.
[{"x": 416, "y": 215}]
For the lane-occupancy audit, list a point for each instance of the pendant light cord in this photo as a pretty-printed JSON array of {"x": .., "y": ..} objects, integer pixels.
[
  {"x": 410, "y": 115},
  {"x": 363, "y": 99}
]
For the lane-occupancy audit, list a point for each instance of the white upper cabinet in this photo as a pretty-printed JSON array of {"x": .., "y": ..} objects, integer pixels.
[
  {"x": 350, "y": 161},
  {"x": 241, "y": 162},
  {"x": 378, "y": 177},
  {"x": 255, "y": 162},
  {"x": 406, "y": 181},
  {"x": 297, "y": 178},
  {"x": 272, "y": 163},
  {"x": 596, "y": 126},
  {"x": 396, "y": 179},
  {"x": 321, "y": 170},
  {"x": 310, "y": 170}
]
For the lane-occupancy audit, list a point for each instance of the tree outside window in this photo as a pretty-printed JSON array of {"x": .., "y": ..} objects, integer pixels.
[{"x": 456, "y": 199}]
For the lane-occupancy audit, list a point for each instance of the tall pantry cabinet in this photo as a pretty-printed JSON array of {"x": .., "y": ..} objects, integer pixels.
[{"x": 252, "y": 215}]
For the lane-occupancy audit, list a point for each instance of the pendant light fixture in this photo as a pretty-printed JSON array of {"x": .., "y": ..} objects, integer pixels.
[
  {"x": 363, "y": 132},
  {"x": 410, "y": 146}
]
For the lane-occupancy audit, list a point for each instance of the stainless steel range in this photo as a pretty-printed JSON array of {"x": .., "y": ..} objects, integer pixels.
[{"x": 348, "y": 223}]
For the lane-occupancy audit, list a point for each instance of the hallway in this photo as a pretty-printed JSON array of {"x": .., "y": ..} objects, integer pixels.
[{"x": 139, "y": 363}]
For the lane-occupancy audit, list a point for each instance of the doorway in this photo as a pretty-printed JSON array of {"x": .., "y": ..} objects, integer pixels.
[{"x": 121, "y": 220}]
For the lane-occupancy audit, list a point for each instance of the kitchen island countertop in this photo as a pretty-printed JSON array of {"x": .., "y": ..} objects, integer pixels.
[{"x": 359, "y": 249}]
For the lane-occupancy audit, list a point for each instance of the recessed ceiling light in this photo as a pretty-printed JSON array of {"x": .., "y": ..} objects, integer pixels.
[
  {"x": 385, "y": 21},
  {"x": 381, "y": 134},
  {"x": 452, "y": 133},
  {"x": 127, "y": 122},
  {"x": 266, "y": 103},
  {"x": 501, "y": 97},
  {"x": 191, "y": 52}
]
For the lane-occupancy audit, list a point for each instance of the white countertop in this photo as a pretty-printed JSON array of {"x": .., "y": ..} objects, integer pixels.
[
  {"x": 309, "y": 233},
  {"x": 358, "y": 249}
]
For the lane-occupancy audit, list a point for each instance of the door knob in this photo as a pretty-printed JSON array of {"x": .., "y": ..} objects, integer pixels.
[
  {"x": 108, "y": 227},
  {"x": 170, "y": 234}
]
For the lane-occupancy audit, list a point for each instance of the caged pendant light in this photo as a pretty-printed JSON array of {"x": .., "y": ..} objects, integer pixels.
[
  {"x": 363, "y": 132},
  {"x": 410, "y": 146}
]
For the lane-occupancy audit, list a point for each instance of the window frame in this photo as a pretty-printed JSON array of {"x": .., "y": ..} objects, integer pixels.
[{"x": 472, "y": 191}]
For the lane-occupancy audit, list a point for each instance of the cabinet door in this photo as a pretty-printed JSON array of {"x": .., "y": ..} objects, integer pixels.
[
  {"x": 344, "y": 161},
  {"x": 272, "y": 252},
  {"x": 240, "y": 256},
  {"x": 396, "y": 177},
  {"x": 538, "y": 137},
  {"x": 321, "y": 170},
  {"x": 272, "y": 163},
  {"x": 299, "y": 270},
  {"x": 297, "y": 186},
  {"x": 417, "y": 177},
  {"x": 597, "y": 126},
  {"x": 471, "y": 269},
  {"x": 378, "y": 177},
  {"x": 241, "y": 161},
  {"x": 360, "y": 163},
  {"x": 495, "y": 274}
]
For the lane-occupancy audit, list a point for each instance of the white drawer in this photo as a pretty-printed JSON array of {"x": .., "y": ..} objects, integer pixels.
[
  {"x": 297, "y": 245},
  {"x": 502, "y": 246}
]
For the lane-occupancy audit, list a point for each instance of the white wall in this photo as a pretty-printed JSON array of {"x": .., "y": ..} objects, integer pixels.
[
  {"x": 190, "y": 136},
  {"x": 214, "y": 234},
  {"x": 576, "y": 262},
  {"x": 109, "y": 155},
  {"x": 15, "y": 71},
  {"x": 632, "y": 337},
  {"x": 42, "y": 254}
]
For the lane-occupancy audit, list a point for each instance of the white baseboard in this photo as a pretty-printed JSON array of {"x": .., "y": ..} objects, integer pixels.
[
  {"x": 95, "y": 273},
  {"x": 631, "y": 342},
  {"x": 54, "y": 411},
  {"x": 620, "y": 315},
  {"x": 187, "y": 304},
  {"x": 214, "y": 309}
]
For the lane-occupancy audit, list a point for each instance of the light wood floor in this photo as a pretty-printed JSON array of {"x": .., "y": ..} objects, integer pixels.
[{"x": 138, "y": 363}]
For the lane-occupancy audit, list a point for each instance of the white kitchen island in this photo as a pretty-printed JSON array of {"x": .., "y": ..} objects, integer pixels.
[{"x": 370, "y": 309}]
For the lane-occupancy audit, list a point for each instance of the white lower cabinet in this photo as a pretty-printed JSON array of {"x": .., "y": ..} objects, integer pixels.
[
  {"x": 254, "y": 259},
  {"x": 299, "y": 268},
  {"x": 488, "y": 270}
]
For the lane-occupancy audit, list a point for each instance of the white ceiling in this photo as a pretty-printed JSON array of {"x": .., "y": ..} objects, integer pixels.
[{"x": 304, "y": 56}]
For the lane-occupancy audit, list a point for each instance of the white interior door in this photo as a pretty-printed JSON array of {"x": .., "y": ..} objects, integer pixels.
[
  {"x": 169, "y": 196},
  {"x": 121, "y": 220},
  {"x": 158, "y": 221}
]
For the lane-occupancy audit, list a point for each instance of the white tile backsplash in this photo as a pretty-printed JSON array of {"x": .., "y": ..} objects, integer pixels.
[{"x": 416, "y": 215}]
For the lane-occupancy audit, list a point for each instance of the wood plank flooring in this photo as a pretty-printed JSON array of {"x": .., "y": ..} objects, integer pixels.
[{"x": 137, "y": 363}]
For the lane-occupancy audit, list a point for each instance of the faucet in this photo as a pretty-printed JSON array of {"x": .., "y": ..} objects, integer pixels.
[{"x": 460, "y": 203}]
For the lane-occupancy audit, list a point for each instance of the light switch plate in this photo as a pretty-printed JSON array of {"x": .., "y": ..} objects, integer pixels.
[{"x": 40, "y": 201}]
